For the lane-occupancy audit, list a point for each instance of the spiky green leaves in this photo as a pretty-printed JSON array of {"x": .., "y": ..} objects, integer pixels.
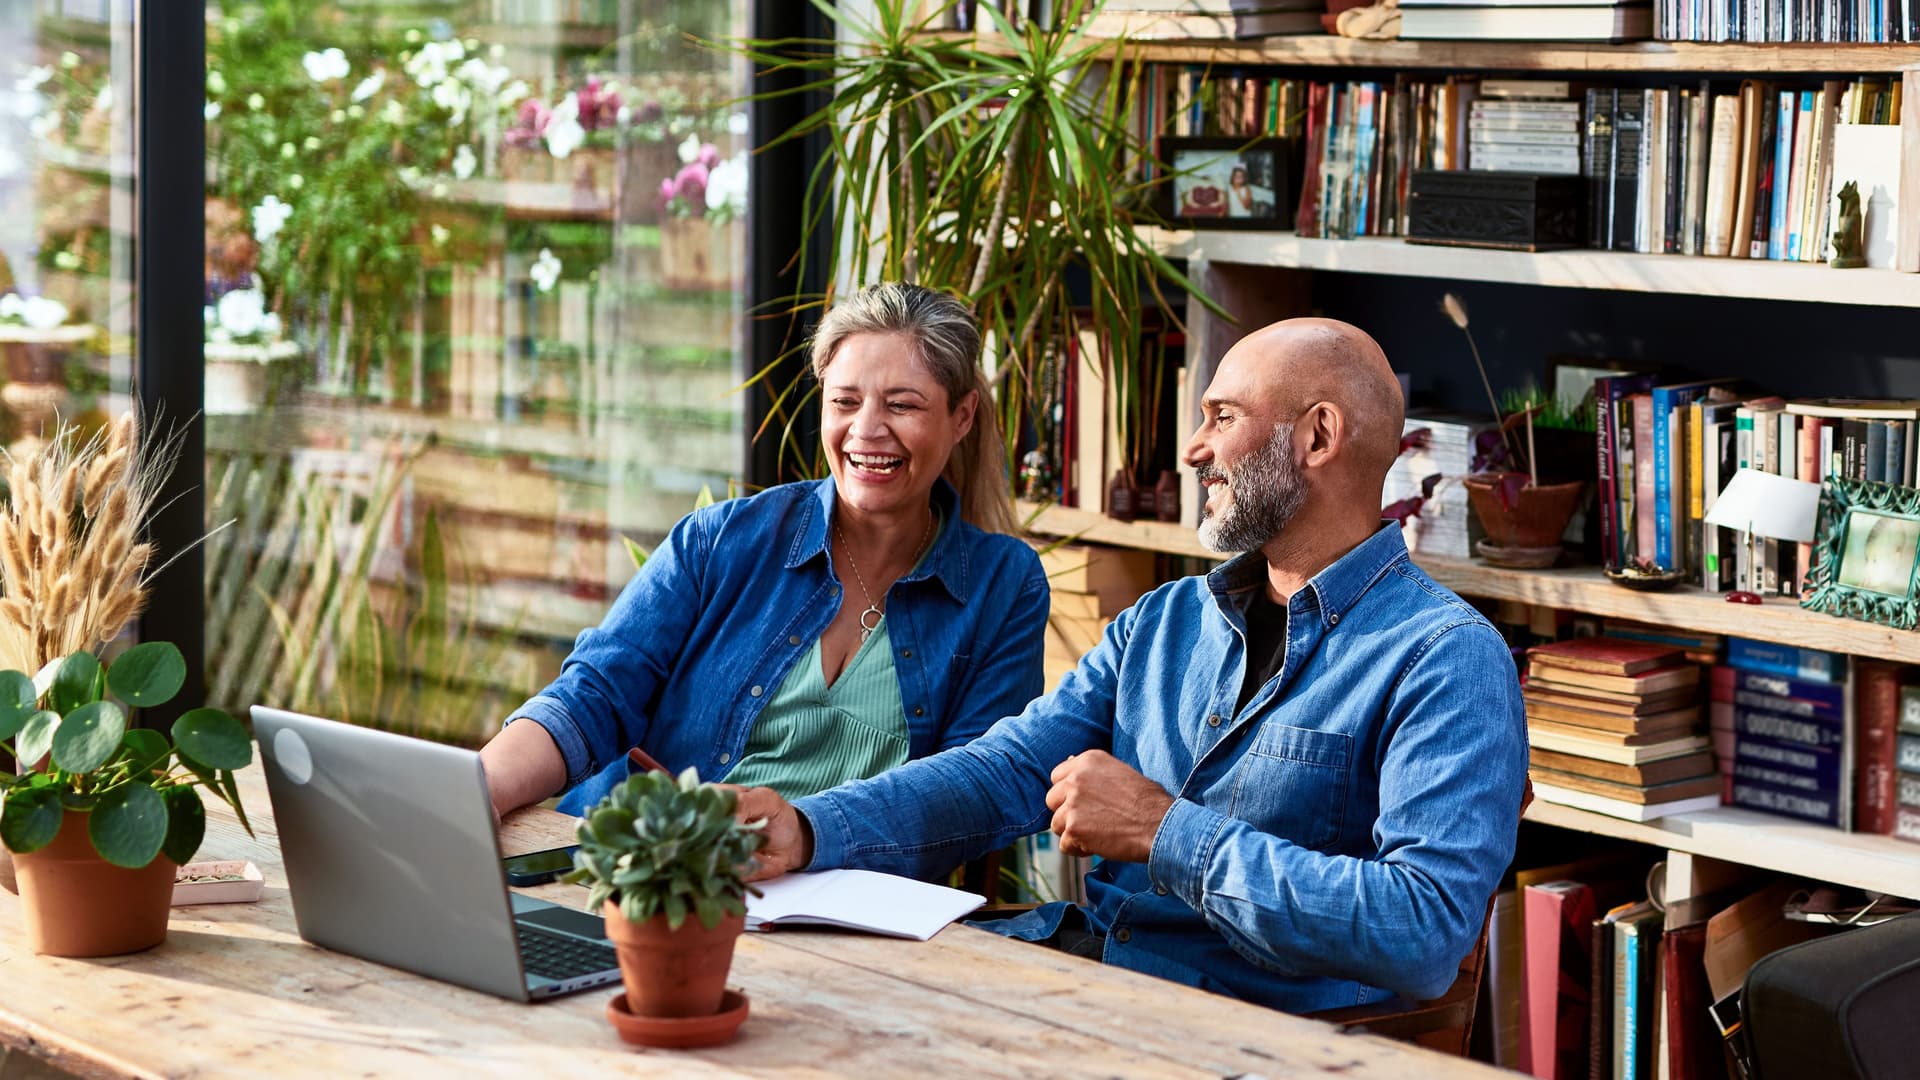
[{"x": 660, "y": 845}]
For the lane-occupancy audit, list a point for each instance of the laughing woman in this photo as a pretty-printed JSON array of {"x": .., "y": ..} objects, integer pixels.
[{"x": 823, "y": 631}]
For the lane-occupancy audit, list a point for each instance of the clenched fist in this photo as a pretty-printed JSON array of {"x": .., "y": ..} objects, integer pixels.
[{"x": 1104, "y": 807}]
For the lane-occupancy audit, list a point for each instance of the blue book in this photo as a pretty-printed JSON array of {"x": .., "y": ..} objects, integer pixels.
[
  {"x": 1754, "y": 745},
  {"x": 1804, "y": 116},
  {"x": 1816, "y": 734},
  {"x": 1782, "y": 166},
  {"x": 1791, "y": 661},
  {"x": 1757, "y": 794},
  {"x": 1667, "y": 486}
]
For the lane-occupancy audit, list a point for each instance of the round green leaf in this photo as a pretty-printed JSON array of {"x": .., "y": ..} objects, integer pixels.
[
  {"x": 128, "y": 825},
  {"x": 146, "y": 749},
  {"x": 36, "y": 738},
  {"x": 18, "y": 701},
  {"x": 76, "y": 683},
  {"x": 148, "y": 674},
  {"x": 88, "y": 737},
  {"x": 30, "y": 818},
  {"x": 212, "y": 738},
  {"x": 186, "y": 823}
]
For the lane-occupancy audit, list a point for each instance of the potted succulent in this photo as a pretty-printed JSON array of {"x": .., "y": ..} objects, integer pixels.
[
  {"x": 1523, "y": 516},
  {"x": 100, "y": 811},
  {"x": 667, "y": 863}
]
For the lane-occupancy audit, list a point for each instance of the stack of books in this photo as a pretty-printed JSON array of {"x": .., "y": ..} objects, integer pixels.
[
  {"x": 1906, "y": 820},
  {"x": 1615, "y": 728},
  {"x": 1432, "y": 469},
  {"x": 1524, "y": 125},
  {"x": 1165, "y": 20},
  {"x": 1495, "y": 20},
  {"x": 1791, "y": 751}
]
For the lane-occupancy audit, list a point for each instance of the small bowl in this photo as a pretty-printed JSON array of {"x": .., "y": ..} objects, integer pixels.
[
  {"x": 243, "y": 889},
  {"x": 1634, "y": 577},
  {"x": 679, "y": 1032}
]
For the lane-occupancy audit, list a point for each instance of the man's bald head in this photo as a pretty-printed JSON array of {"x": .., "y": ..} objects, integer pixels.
[{"x": 1312, "y": 360}]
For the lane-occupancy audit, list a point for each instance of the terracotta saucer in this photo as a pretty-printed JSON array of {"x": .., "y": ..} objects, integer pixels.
[{"x": 679, "y": 1032}]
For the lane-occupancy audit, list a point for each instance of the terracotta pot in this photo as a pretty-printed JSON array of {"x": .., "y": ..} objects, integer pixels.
[
  {"x": 673, "y": 972},
  {"x": 1537, "y": 518},
  {"x": 79, "y": 904}
]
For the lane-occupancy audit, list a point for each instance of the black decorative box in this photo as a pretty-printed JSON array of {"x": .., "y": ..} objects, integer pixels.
[{"x": 1511, "y": 210}]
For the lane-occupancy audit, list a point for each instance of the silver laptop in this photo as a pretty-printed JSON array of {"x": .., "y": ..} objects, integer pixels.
[{"x": 391, "y": 855}]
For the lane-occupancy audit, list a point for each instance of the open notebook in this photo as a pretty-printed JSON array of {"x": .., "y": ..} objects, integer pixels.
[{"x": 858, "y": 900}]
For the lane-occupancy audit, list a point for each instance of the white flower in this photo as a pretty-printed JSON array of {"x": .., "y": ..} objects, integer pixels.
[
  {"x": 409, "y": 175},
  {"x": 216, "y": 83},
  {"x": 453, "y": 97},
  {"x": 33, "y": 80},
  {"x": 325, "y": 66},
  {"x": 369, "y": 86},
  {"x": 439, "y": 234},
  {"x": 484, "y": 77},
  {"x": 429, "y": 65},
  {"x": 310, "y": 143},
  {"x": 392, "y": 113},
  {"x": 269, "y": 217},
  {"x": 355, "y": 112},
  {"x": 256, "y": 102},
  {"x": 207, "y": 316},
  {"x": 270, "y": 325},
  {"x": 413, "y": 37},
  {"x": 689, "y": 149},
  {"x": 464, "y": 162},
  {"x": 69, "y": 60},
  {"x": 296, "y": 182},
  {"x": 496, "y": 51},
  {"x": 242, "y": 311},
  {"x": 44, "y": 125},
  {"x": 737, "y": 123},
  {"x": 212, "y": 111},
  {"x": 66, "y": 260},
  {"x": 438, "y": 190},
  {"x": 287, "y": 151},
  {"x": 43, "y": 313},
  {"x": 545, "y": 270},
  {"x": 564, "y": 133},
  {"x": 11, "y": 306},
  {"x": 727, "y": 185},
  {"x": 514, "y": 91},
  {"x": 103, "y": 101},
  {"x": 338, "y": 116}
]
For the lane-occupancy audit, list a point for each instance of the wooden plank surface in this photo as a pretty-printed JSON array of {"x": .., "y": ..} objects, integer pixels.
[
  {"x": 1583, "y": 589},
  {"x": 1616, "y": 271},
  {"x": 234, "y": 991},
  {"x": 1322, "y": 50}
]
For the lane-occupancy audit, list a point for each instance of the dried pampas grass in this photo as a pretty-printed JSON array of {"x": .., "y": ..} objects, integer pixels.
[{"x": 74, "y": 568}]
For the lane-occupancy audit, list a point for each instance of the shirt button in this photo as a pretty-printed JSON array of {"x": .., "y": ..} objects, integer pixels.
[
  {"x": 906, "y": 652},
  {"x": 756, "y": 691},
  {"x": 724, "y": 758},
  {"x": 1333, "y": 619},
  {"x": 793, "y": 639},
  {"x": 918, "y": 711},
  {"x": 1214, "y": 720},
  {"x": 1123, "y": 935},
  {"x": 1159, "y": 890}
]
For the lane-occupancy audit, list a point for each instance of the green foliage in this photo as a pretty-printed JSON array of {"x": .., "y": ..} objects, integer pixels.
[
  {"x": 989, "y": 173},
  {"x": 1548, "y": 411},
  {"x": 135, "y": 785},
  {"x": 657, "y": 845}
]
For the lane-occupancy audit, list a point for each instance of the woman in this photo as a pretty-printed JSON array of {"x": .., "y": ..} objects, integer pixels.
[{"x": 822, "y": 631}]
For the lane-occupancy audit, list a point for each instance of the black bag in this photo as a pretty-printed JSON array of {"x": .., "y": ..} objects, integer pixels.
[{"x": 1839, "y": 1008}]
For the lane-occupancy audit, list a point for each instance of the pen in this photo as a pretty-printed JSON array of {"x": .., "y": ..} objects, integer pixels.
[{"x": 645, "y": 761}]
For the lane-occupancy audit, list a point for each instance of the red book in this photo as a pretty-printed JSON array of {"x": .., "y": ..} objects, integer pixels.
[
  {"x": 1876, "y": 708},
  {"x": 1556, "y": 959},
  {"x": 1693, "y": 1044},
  {"x": 1643, "y": 470},
  {"x": 1607, "y": 655}
]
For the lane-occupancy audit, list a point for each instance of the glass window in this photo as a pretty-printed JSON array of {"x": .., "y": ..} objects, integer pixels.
[{"x": 473, "y": 315}]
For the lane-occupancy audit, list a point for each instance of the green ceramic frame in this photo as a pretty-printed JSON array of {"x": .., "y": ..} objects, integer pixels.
[{"x": 1846, "y": 506}]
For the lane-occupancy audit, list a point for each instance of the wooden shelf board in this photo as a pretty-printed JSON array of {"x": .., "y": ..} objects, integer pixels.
[
  {"x": 1318, "y": 50},
  {"x": 1878, "y": 863},
  {"x": 1613, "y": 270},
  {"x": 1778, "y": 619}
]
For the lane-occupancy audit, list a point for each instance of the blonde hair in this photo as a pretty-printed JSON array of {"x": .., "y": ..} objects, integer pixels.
[{"x": 946, "y": 341}]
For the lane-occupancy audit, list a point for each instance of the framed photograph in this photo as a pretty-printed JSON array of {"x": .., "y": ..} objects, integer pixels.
[
  {"x": 1866, "y": 553},
  {"x": 1227, "y": 183}
]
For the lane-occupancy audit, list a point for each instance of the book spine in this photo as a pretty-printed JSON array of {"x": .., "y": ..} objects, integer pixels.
[
  {"x": 1603, "y": 470},
  {"x": 1764, "y": 165},
  {"x": 1876, "y": 723},
  {"x": 1628, "y": 116},
  {"x": 1782, "y": 165},
  {"x": 1645, "y": 474}
]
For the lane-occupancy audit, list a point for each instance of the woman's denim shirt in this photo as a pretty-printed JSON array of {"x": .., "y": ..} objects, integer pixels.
[{"x": 735, "y": 596}]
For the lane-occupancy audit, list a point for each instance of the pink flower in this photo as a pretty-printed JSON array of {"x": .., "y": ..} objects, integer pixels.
[
  {"x": 530, "y": 124},
  {"x": 691, "y": 184},
  {"x": 709, "y": 155},
  {"x": 599, "y": 106},
  {"x": 666, "y": 192}
]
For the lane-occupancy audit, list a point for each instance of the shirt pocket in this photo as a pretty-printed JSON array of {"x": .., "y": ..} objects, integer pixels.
[{"x": 1292, "y": 782}]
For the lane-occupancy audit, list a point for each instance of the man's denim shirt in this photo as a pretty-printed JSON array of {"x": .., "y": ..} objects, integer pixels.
[
  {"x": 738, "y": 593},
  {"x": 1334, "y": 842}
]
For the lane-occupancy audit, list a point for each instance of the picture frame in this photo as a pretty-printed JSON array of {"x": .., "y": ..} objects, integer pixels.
[
  {"x": 1866, "y": 553},
  {"x": 1227, "y": 182}
]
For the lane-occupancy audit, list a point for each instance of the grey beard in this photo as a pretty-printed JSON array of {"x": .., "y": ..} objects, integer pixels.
[{"x": 1267, "y": 490}]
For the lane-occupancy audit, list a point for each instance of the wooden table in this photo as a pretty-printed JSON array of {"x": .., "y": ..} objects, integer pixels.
[{"x": 234, "y": 991}]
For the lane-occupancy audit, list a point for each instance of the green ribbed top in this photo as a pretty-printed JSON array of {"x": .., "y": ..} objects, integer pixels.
[{"x": 812, "y": 736}]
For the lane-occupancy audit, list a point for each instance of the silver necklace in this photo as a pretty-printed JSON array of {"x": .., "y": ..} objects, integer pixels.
[{"x": 873, "y": 609}]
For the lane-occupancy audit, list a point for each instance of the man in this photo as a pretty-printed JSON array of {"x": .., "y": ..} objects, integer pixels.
[{"x": 1303, "y": 771}]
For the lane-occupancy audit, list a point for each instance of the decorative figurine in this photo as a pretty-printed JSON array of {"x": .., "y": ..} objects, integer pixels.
[
  {"x": 1849, "y": 234},
  {"x": 1036, "y": 475}
]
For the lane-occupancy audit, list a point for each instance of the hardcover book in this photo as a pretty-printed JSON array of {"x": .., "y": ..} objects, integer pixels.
[
  {"x": 1606, "y": 655},
  {"x": 1642, "y": 685}
]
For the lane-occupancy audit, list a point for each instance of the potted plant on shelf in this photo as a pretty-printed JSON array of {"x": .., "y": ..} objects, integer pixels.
[
  {"x": 666, "y": 861},
  {"x": 704, "y": 195},
  {"x": 243, "y": 347},
  {"x": 100, "y": 812},
  {"x": 1523, "y": 515}
]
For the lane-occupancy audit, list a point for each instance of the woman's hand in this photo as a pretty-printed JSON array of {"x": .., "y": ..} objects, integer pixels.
[{"x": 789, "y": 837}]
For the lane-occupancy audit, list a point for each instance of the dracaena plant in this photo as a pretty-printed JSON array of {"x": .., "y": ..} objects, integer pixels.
[
  {"x": 68, "y": 729},
  {"x": 657, "y": 845}
]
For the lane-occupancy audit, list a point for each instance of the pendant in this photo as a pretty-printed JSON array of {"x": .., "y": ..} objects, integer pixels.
[{"x": 865, "y": 630}]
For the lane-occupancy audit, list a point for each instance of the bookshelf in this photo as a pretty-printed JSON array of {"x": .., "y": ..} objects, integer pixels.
[
  {"x": 1647, "y": 57},
  {"x": 1777, "y": 619},
  {"x": 1620, "y": 271}
]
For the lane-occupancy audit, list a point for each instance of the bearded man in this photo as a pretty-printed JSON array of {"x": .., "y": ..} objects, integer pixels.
[{"x": 1303, "y": 771}]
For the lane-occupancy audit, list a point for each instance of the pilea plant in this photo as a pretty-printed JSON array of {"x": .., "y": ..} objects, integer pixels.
[
  {"x": 67, "y": 728},
  {"x": 660, "y": 845}
]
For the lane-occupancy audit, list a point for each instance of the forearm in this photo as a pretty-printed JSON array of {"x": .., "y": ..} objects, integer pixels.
[{"x": 523, "y": 765}]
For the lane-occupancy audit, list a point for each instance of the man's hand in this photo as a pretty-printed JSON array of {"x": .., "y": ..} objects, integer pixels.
[
  {"x": 1104, "y": 807},
  {"x": 789, "y": 841}
]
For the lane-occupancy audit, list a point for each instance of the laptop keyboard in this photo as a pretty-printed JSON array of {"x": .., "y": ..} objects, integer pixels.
[{"x": 560, "y": 957}]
